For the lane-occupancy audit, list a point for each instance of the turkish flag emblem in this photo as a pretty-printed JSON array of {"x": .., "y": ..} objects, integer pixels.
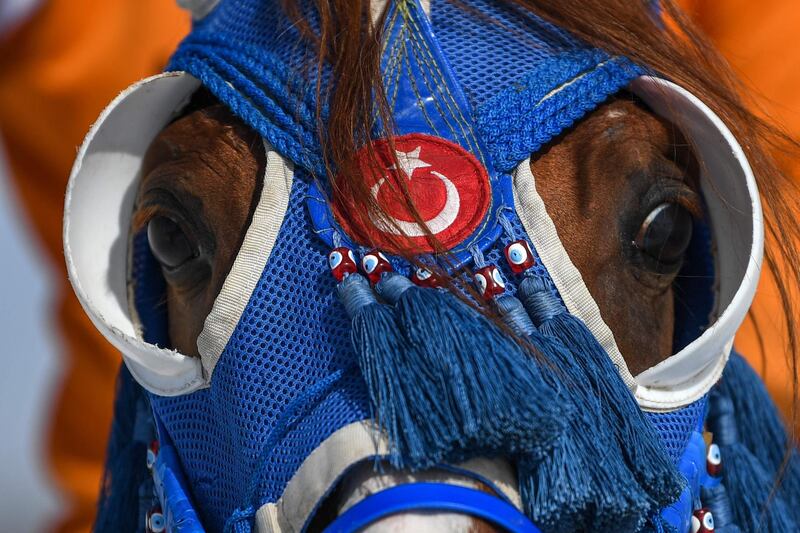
[{"x": 447, "y": 184}]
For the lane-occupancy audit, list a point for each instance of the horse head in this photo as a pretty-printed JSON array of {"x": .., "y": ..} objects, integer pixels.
[{"x": 506, "y": 300}]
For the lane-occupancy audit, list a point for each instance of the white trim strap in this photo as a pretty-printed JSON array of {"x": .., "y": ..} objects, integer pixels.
[
  {"x": 250, "y": 261},
  {"x": 331, "y": 460},
  {"x": 568, "y": 280}
]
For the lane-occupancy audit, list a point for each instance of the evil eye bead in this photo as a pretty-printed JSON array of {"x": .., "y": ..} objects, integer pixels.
[
  {"x": 422, "y": 277},
  {"x": 374, "y": 264},
  {"x": 342, "y": 262},
  {"x": 498, "y": 278},
  {"x": 152, "y": 453},
  {"x": 702, "y": 521},
  {"x": 489, "y": 282},
  {"x": 708, "y": 521},
  {"x": 155, "y": 520},
  {"x": 481, "y": 283},
  {"x": 713, "y": 461},
  {"x": 519, "y": 256}
]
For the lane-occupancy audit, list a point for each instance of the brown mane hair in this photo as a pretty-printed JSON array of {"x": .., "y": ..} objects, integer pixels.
[{"x": 350, "y": 44}]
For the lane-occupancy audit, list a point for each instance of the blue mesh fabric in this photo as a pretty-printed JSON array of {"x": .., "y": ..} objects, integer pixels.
[
  {"x": 502, "y": 51},
  {"x": 292, "y": 335},
  {"x": 264, "y": 412},
  {"x": 249, "y": 55},
  {"x": 677, "y": 426}
]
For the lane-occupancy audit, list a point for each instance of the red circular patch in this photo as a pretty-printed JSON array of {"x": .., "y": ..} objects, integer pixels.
[{"x": 448, "y": 186}]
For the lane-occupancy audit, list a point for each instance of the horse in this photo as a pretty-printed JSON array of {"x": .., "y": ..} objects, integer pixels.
[{"x": 622, "y": 187}]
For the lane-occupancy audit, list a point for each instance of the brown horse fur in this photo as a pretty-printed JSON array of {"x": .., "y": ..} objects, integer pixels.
[{"x": 204, "y": 172}]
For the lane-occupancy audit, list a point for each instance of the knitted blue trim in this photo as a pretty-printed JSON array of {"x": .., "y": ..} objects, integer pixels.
[
  {"x": 548, "y": 101},
  {"x": 277, "y": 102},
  {"x": 263, "y": 93}
]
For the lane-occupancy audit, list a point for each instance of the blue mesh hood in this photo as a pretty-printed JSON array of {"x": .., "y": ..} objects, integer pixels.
[
  {"x": 287, "y": 378},
  {"x": 525, "y": 79}
]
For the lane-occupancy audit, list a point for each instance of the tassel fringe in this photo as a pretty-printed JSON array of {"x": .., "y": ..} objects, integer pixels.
[
  {"x": 749, "y": 485},
  {"x": 445, "y": 383},
  {"x": 766, "y": 436},
  {"x": 617, "y": 435}
]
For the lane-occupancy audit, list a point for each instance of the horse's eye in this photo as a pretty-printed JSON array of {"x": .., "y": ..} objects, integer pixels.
[
  {"x": 665, "y": 233},
  {"x": 169, "y": 244}
]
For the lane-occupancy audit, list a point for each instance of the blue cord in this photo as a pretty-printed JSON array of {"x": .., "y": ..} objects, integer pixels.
[{"x": 432, "y": 497}]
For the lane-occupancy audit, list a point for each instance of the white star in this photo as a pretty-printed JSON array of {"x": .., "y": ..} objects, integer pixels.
[{"x": 409, "y": 161}]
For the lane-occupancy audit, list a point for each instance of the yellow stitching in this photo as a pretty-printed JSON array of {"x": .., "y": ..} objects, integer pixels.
[
  {"x": 448, "y": 100},
  {"x": 415, "y": 89},
  {"x": 463, "y": 121}
]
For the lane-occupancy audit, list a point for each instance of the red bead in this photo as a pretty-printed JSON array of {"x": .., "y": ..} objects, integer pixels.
[
  {"x": 702, "y": 521},
  {"x": 713, "y": 461},
  {"x": 155, "y": 522},
  {"x": 375, "y": 265},
  {"x": 152, "y": 453},
  {"x": 342, "y": 262},
  {"x": 519, "y": 256},
  {"x": 489, "y": 282},
  {"x": 423, "y": 277}
]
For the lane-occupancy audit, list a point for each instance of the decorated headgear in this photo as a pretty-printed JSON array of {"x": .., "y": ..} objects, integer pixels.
[{"x": 273, "y": 412}]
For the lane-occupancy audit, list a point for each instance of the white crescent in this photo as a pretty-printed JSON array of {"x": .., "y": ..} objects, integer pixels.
[{"x": 443, "y": 220}]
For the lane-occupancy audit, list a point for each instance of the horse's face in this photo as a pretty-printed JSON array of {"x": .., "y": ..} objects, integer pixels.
[
  {"x": 617, "y": 186},
  {"x": 620, "y": 188},
  {"x": 201, "y": 176}
]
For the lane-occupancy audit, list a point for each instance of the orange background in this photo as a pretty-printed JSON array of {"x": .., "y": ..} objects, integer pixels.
[
  {"x": 759, "y": 39},
  {"x": 69, "y": 59},
  {"x": 57, "y": 73}
]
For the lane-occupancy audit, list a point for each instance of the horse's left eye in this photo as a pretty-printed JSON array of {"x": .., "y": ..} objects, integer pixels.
[
  {"x": 665, "y": 233},
  {"x": 168, "y": 242}
]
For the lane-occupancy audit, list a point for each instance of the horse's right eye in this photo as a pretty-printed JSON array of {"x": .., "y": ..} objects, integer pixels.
[
  {"x": 169, "y": 243},
  {"x": 665, "y": 234}
]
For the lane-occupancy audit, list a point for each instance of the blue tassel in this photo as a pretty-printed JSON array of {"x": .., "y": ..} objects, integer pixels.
[
  {"x": 570, "y": 486},
  {"x": 487, "y": 395},
  {"x": 633, "y": 459},
  {"x": 748, "y": 483},
  {"x": 558, "y": 490},
  {"x": 380, "y": 351},
  {"x": 717, "y": 501},
  {"x": 765, "y": 435},
  {"x": 126, "y": 467}
]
